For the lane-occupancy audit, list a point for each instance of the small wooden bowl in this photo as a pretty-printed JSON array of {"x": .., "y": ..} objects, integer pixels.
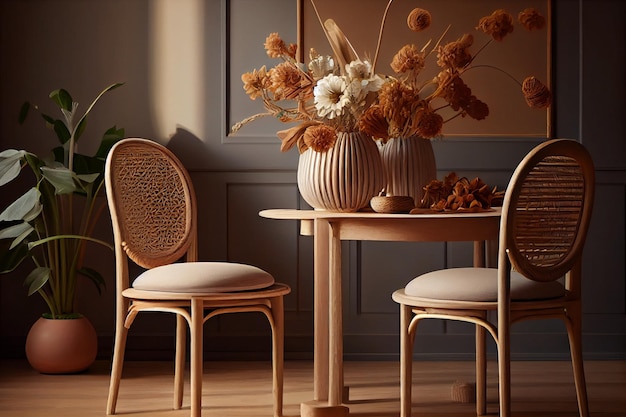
[{"x": 392, "y": 204}]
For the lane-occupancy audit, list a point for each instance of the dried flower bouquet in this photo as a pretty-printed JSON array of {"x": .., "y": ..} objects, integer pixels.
[{"x": 345, "y": 93}]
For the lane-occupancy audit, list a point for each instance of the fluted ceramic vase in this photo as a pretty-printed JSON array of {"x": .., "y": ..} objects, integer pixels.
[
  {"x": 409, "y": 165},
  {"x": 345, "y": 177}
]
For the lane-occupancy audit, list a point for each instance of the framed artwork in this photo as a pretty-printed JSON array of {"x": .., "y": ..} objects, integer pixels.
[{"x": 499, "y": 67}]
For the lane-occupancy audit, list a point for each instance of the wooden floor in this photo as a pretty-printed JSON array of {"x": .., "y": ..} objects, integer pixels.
[{"x": 236, "y": 389}]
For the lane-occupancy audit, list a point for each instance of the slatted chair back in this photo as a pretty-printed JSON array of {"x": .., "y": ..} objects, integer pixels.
[{"x": 547, "y": 210}]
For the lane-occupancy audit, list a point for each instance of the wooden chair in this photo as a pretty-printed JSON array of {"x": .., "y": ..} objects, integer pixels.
[
  {"x": 545, "y": 217},
  {"x": 153, "y": 211}
]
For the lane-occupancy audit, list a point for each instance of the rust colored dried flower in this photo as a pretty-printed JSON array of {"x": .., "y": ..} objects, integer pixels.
[
  {"x": 374, "y": 123},
  {"x": 455, "y": 54},
  {"x": 320, "y": 137},
  {"x": 255, "y": 82},
  {"x": 418, "y": 19},
  {"x": 531, "y": 19},
  {"x": 497, "y": 25},
  {"x": 397, "y": 101},
  {"x": 476, "y": 109},
  {"x": 286, "y": 81},
  {"x": 276, "y": 47},
  {"x": 454, "y": 90},
  {"x": 537, "y": 95},
  {"x": 409, "y": 58},
  {"x": 427, "y": 123},
  {"x": 292, "y": 49}
]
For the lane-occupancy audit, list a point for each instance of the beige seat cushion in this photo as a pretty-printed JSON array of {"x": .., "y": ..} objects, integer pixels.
[
  {"x": 197, "y": 277},
  {"x": 478, "y": 284}
]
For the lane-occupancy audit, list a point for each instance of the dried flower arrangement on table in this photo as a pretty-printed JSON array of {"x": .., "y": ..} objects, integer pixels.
[
  {"x": 344, "y": 93},
  {"x": 454, "y": 193}
]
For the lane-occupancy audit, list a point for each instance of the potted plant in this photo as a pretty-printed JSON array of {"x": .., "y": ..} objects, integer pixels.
[{"x": 50, "y": 225}]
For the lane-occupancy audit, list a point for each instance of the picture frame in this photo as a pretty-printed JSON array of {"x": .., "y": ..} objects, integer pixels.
[{"x": 500, "y": 67}]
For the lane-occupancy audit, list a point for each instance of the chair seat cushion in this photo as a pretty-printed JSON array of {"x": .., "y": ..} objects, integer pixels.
[
  {"x": 203, "y": 277},
  {"x": 479, "y": 284}
]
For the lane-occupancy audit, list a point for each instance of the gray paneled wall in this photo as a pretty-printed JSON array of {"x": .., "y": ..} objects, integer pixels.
[{"x": 181, "y": 61}]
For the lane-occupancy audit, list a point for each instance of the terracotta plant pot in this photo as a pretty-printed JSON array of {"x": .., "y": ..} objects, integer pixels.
[{"x": 61, "y": 346}]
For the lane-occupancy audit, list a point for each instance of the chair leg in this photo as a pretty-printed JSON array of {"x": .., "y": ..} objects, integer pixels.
[
  {"x": 574, "y": 332},
  {"x": 179, "y": 361},
  {"x": 504, "y": 368},
  {"x": 481, "y": 372},
  {"x": 406, "y": 361},
  {"x": 121, "y": 334},
  {"x": 197, "y": 321},
  {"x": 278, "y": 353}
]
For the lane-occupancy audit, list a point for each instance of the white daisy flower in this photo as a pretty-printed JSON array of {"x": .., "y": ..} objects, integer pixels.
[
  {"x": 321, "y": 66},
  {"x": 359, "y": 69},
  {"x": 331, "y": 96},
  {"x": 372, "y": 84}
]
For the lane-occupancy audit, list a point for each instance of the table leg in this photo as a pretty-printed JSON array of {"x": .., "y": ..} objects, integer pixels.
[
  {"x": 335, "y": 381},
  {"x": 328, "y": 334},
  {"x": 321, "y": 260},
  {"x": 479, "y": 254}
]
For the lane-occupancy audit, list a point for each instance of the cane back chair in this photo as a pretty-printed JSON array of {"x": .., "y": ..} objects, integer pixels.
[
  {"x": 545, "y": 217},
  {"x": 153, "y": 212}
]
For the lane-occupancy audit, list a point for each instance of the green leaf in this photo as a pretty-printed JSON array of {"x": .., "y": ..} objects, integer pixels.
[
  {"x": 95, "y": 277},
  {"x": 88, "y": 178},
  {"x": 62, "y": 98},
  {"x": 59, "y": 154},
  {"x": 27, "y": 230},
  {"x": 49, "y": 120},
  {"x": 23, "y": 112},
  {"x": 12, "y": 258},
  {"x": 88, "y": 164},
  {"x": 61, "y": 178},
  {"x": 61, "y": 130},
  {"x": 27, "y": 207},
  {"x": 37, "y": 279},
  {"x": 10, "y": 165},
  {"x": 15, "y": 230},
  {"x": 110, "y": 138},
  {"x": 78, "y": 131}
]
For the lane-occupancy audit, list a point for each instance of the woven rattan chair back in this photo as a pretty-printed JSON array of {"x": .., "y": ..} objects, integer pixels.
[
  {"x": 153, "y": 203},
  {"x": 547, "y": 210}
]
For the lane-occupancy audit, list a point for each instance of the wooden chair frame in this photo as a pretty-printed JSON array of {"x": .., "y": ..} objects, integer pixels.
[
  {"x": 553, "y": 157},
  {"x": 192, "y": 309}
]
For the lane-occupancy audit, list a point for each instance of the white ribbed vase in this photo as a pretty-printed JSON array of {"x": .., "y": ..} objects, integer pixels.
[
  {"x": 345, "y": 177},
  {"x": 409, "y": 165}
]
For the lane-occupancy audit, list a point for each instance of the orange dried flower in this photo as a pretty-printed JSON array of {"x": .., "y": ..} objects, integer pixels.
[
  {"x": 455, "y": 54},
  {"x": 255, "y": 82},
  {"x": 374, "y": 123},
  {"x": 418, "y": 19},
  {"x": 409, "y": 58},
  {"x": 454, "y": 193},
  {"x": 427, "y": 123},
  {"x": 454, "y": 90},
  {"x": 276, "y": 47},
  {"x": 286, "y": 81},
  {"x": 537, "y": 95},
  {"x": 397, "y": 101},
  {"x": 477, "y": 109},
  {"x": 497, "y": 25},
  {"x": 320, "y": 137},
  {"x": 531, "y": 19}
]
